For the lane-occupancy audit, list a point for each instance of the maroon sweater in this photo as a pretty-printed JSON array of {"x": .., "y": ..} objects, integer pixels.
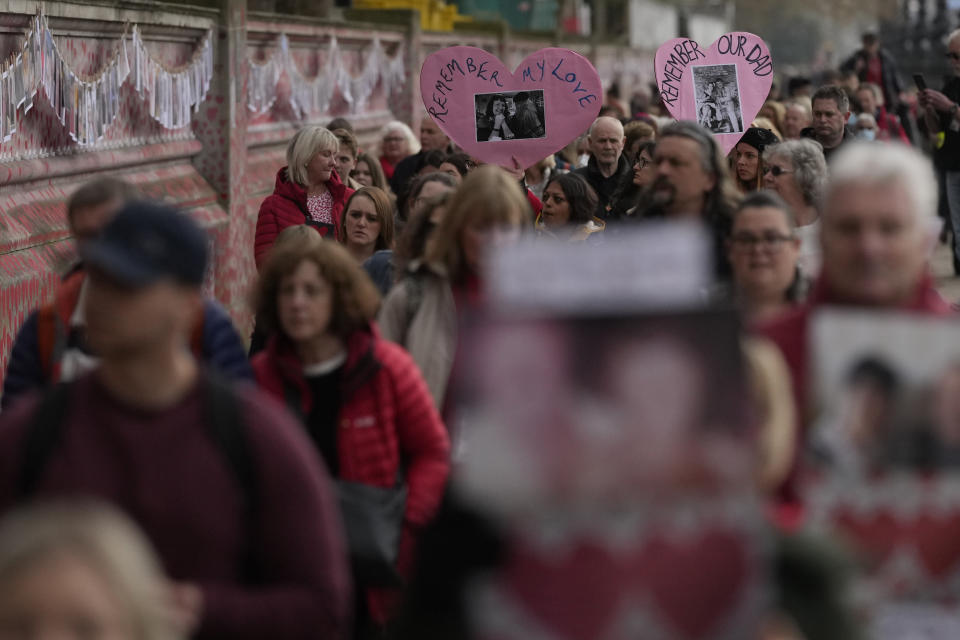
[{"x": 165, "y": 471}]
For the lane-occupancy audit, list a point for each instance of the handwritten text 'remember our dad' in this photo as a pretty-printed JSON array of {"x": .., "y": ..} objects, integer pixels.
[
  {"x": 689, "y": 51},
  {"x": 470, "y": 67}
]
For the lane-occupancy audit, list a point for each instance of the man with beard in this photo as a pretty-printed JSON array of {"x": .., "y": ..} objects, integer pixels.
[
  {"x": 831, "y": 110},
  {"x": 692, "y": 181}
]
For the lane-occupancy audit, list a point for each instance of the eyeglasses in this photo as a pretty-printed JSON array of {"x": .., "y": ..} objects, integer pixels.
[
  {"x": 767, "y": 242},
  {"x": 642, "y": 163},
  {"x": 953, "y": 56},
  {"x": 390, "y": 139},
  {"x": 775, "y": 170}
]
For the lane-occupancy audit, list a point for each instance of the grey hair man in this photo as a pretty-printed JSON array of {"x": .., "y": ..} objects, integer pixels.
[{"x": 607, "y": 167}]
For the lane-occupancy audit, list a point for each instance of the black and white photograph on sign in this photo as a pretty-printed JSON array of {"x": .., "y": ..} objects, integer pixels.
[
  {"x": 718, "y": 98},
  {"x": 889, "y": 390},
  {"x": 515, "y": 115}
]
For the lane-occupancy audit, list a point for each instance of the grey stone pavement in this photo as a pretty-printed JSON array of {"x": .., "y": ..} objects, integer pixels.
[{"x": 942, "y": 268}]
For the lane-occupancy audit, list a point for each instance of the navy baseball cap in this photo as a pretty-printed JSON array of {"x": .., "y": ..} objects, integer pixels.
[{"x": 147, "y": 242}]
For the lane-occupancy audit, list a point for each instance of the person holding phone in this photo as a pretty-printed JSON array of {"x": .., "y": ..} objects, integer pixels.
[{"x": 942, "y": 116}]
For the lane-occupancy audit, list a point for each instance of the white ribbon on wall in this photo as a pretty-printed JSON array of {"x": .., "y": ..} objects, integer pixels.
[
  {"x": 88, "y": 106},
  {"x": 312, "y": 95}
]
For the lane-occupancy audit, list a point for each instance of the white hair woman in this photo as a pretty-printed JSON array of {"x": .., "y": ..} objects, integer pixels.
[
  {"x": 82, "y": 570},
  {"x": 308, "y": 191},
  {"x": 797, "y": 171},
  {"x": 396, "y": 143}
]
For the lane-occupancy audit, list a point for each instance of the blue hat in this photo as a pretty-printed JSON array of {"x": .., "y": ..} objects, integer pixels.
[{"x": 147, "y": 242}]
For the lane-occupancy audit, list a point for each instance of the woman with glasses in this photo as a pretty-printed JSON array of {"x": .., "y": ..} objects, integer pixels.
[
  {"x": 764, "y": 250},
  {"x": 797, "y": 171},
  {"x": 568, "y": 207},
  {"x": 396, "y": 143}
]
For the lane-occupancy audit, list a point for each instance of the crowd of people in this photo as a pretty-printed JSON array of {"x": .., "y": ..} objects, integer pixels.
[{"x": 283, "y": 491}]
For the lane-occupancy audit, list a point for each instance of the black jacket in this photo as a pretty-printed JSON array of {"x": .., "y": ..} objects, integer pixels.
[
  {"x": 891, "y": 84},
  {"x": 603, "y": 186},
  {"x": 811, "y": 133}
]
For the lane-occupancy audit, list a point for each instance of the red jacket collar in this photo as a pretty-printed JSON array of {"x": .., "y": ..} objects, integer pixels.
[
  {"x": 292, "y": 191},
  {"x": 925, "y": 298},
  {"x": 360, "y": 366}
]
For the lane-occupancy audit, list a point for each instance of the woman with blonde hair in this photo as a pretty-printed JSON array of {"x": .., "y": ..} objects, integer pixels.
[
  {"x": 363, "y": 404},
  {"x": 69, "y": 569},
  {"x": 367, "y": 223},
  {"x": 308, "y": 190},
  {"x": 397, "y": 141},
  {"x": 421, "y": 310}
]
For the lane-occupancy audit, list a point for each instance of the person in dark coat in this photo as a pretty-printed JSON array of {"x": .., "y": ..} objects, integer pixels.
[
  {"x": 50, "y": 345},
  {"x": 607, "y": 167},
  {"x": 308, "y": 191},
  {"x": 220, "y": 477}
]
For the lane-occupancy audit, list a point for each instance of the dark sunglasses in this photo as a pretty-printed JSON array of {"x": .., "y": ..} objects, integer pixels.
[
  {"x": 953, "y": 56},
  {"x": 775, "y": 170}
]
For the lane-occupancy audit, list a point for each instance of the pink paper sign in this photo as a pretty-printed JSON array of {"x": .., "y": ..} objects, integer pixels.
[
  {"x": 723, "y": 87},
  {"x": 498, "y": 116}
]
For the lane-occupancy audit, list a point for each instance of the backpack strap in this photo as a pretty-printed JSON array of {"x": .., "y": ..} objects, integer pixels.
[
  {"x": 415, "y": 286},
  {"x": 51, "y": 341},
  {"x": 41, "y": 438},
  {"x": 196, "y": 336},
  {"x": 228, "y": 431}
]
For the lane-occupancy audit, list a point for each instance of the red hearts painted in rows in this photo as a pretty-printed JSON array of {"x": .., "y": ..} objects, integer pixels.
[
  {"x": 563, "y": 97},
  {"x": 695, "y": 584},
  {"x": 723, "y": 87}
]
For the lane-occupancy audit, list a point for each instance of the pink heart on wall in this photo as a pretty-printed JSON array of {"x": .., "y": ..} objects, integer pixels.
[
  {"x": 723, "y": 87},
  {"x": 564, "y": 95}
]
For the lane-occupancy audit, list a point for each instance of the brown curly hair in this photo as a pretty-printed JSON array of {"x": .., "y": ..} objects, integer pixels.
[{"x": 355, "y": 297}]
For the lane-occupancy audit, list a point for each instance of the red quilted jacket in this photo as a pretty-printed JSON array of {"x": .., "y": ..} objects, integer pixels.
[
  {"x": 386, "y": 413},
  {"x": 287, "y": 206}
]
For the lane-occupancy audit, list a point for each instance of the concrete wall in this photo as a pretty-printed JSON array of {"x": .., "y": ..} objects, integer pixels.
[{"x": 223, "y": 165}]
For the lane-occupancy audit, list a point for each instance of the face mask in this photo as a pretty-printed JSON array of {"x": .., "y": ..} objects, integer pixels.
[{"x": 867, "y": 134}]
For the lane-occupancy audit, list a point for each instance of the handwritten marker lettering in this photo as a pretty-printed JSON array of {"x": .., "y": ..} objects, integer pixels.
[{"x": 562, "y": 96}]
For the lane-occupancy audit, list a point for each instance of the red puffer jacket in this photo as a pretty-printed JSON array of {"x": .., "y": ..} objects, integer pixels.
[
  {"x": 386, "y": 414},
  {"x": 287, "y": 206}
]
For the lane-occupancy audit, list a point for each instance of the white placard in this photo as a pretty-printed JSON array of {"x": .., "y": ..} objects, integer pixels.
[{"x": 658, "y": 265}]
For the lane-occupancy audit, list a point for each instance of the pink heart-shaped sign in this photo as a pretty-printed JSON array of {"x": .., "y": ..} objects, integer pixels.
[
  {"x": 723, "y": 88},
  {"x": 498, "y": 116}
]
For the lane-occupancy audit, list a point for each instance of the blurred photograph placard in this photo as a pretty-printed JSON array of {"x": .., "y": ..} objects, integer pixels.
[
  {"x": 616, "y": 454},
  {"x": 655, "y": 265},
  {"x": 884, "y": 454}
]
